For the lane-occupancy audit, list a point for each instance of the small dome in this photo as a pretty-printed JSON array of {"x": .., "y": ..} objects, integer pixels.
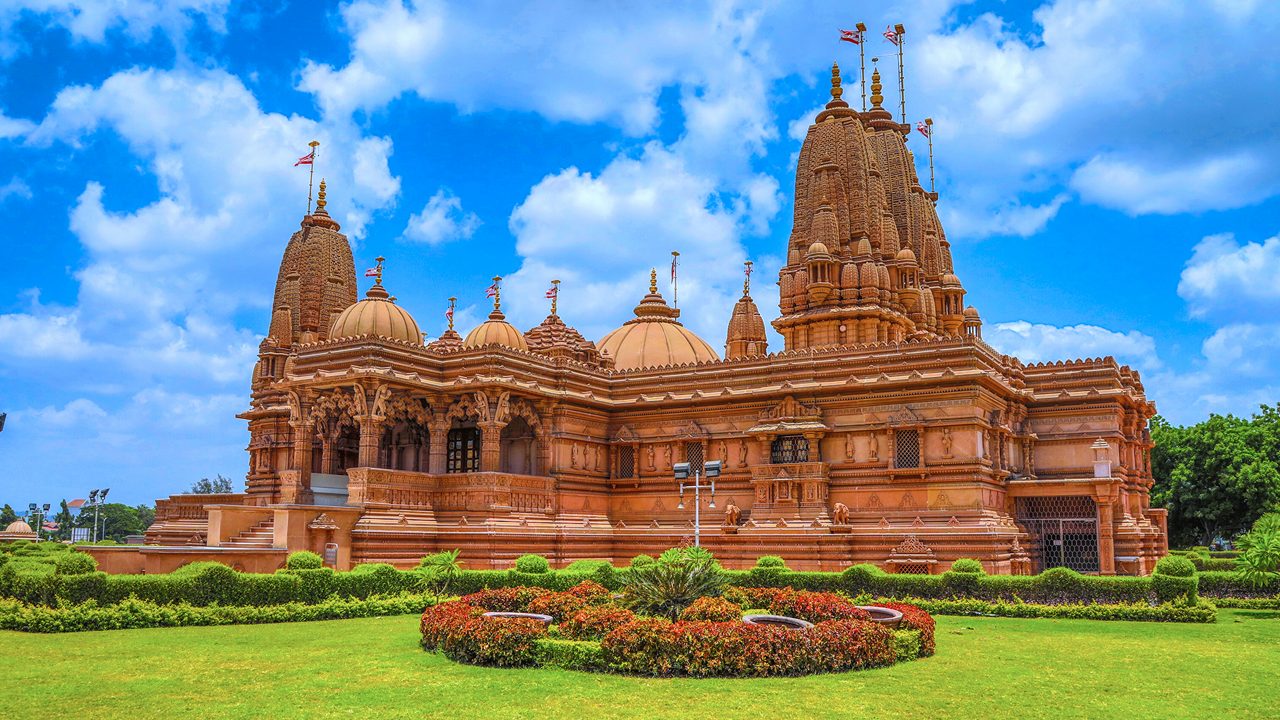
[
  {"x": 863, "y": 247},
  {"x": 19, "y": 527},
  {"x": 906, "y": 254},
  {"x": 950, "y": 280},
  {"x": 496, "y": 331},
  {"x": 971, "y": 312},
  {"x": 654, "y": 337},
  {"x": 818, "y": 248},
  {"x": 376, "y": 315}
]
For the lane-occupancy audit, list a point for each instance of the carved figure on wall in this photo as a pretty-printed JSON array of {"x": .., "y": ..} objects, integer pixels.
[
  {"x": 840, "y": 514},
  {"x": 848, "y": 445},
  {"x": 650, "y": 453},
  {"x": 666, "y": 455},
  {"x": 573, "y": 455},
  {"x": 724, "y": 453},
  {"x": 873, "y": 443},
  {"x": 732, "y": 513},
  {"x": 742, "y": 453},
  {"x": 946, "y": 442}
]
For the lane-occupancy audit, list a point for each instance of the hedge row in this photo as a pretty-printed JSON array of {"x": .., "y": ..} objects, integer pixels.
[
  {"x": 135, "y": 613},
  {"x": 1201, "y": 611}
]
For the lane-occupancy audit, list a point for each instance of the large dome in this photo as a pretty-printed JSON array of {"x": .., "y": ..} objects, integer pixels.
[
  {"x": 654, "y": 338},
  {"x": 377, "y": 315}
]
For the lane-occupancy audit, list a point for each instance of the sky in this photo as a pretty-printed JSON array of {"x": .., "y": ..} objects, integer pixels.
[{"x": 1108, "y": 171}]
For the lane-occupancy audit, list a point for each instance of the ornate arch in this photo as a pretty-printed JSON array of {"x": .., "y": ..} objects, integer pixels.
[
  {"x": 474, "y": 405},
  {"x": 332, "y": 412},
  {"x": 510, "y": 409}
]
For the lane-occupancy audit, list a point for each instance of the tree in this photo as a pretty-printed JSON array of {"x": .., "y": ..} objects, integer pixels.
[
  {"x": 146, "y": 515},
  {"x": 205, "y": 486},
  {"x": 1216, "y": 477},
  {"x": 440, "y": 569},
  {"x": 115, "y": 521},
  {"x": 7, "y": 516},
  {"x": 64, "y": 521}
]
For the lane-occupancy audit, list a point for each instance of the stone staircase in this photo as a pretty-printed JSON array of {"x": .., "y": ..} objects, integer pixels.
[{"x": 261, "y": 535}]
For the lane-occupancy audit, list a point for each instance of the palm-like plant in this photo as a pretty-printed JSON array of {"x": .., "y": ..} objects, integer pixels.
[
  {"x": 667, "y": 587},
  {"x": 1259, "y": 557},
  {"x": 440, "y": 569}
]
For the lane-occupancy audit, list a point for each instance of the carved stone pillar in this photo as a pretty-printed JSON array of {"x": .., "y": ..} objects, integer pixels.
[
  {"x": 1106, "y": 538},
  {"x": 302, "y": 434},
  {"x": 439, "y": 445},
  {"x": 491, "y": 447},
  {"x": 370, "y": 434}
]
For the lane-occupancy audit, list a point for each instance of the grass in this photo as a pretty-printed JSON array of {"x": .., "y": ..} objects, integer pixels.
[{"x": 985, "y": 668}]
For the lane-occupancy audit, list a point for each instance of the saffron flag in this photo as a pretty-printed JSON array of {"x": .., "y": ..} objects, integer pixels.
[
  {"x": 890, "y": 35},
  {"x": 554, "y": 291},
  {"x": 371, "y": 272},
  {"x": 491, "y": 291},
  {"x": 924, "y": 129},
  {"x": 306, "y": 159},
  {"x": 851, "y": 36}
]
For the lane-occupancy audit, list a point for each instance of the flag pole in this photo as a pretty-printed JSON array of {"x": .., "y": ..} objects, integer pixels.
[
  {"x": 928, "y": 123},
  {"x": 555, "y": 295},
  {"x": 862, "y": 61},
  {"x": 902, "y": 88},
  {"x": 312, "y": 177},
  {"x": 675, "y": 282},
  {"x": 453, "y": 301}
]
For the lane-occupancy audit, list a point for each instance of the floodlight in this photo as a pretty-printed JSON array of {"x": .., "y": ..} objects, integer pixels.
[
  {"x": 712, "y": 469},
  {"x": 93, "y": 496},
  {"x": 103, "y": 495},
  {"x": 681, "y": 470}
]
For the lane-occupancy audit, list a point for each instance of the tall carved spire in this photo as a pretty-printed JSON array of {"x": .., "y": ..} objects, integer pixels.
[
  {"x": 746, "y": 336},
  {"x": 877, "y": 95},
  {"x": 836, "y": 90}
]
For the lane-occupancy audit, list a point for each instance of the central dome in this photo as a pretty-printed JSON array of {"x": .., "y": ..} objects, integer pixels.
[
  {"x": 654, "y": 338},
  {"x": 378, "y": 315}
]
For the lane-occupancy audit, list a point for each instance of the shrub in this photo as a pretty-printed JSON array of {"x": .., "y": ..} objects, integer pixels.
[
  {"x": 532, "y": 564},
  {"x": 303, "y": 560},
  {"x": 590, "y": 592},
  {"x": 712, "y": 609},
  {"x": 501, "y": 642},
  {"x": 587, "y": 566},
  {"x": 670, "y": 585},
  {"x": 772, "y": 562},
  {"x": 816, "y": 607},
  {"x": 914, "y": 618},
  {"x": 642, "y": 560},
  {"x": 644, "y": 646},
  {"x": 1175, "y": 566},
  {"x": 967, "y": 565},
  {"x": 570, "y": 654},
  {"x": 439, "y": 570},
  {"x": 75, "y": 563},
  {"x": 906, "y": 644},
  {"x": 509, "y": 599},
  {"x": 1200, "y": 612},
  {"x": 559, "y": 605},
  {"x": 593, "y": 623}
]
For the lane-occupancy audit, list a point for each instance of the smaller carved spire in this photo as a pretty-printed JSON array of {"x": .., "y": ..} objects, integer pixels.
[
  {"x": 320, "y": 200},
  {"x": 836, "y": 90},
  {"x": 877, "y": 96},
  {"x": 746, "y": 280},
  {"x": 653, "y": 281}
]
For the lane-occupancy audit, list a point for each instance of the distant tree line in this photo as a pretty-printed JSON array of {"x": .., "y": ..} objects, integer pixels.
[{"x": 1216, "y": 477}]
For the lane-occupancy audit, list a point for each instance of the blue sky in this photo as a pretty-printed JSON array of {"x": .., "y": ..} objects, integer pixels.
[{"x": 1109, "y": 176}]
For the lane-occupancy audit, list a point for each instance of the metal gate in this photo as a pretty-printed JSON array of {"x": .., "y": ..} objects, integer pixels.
[{"x": 1063, "y": 529}]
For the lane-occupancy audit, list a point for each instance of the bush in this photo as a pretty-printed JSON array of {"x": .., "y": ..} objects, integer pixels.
[
  {"x": 914, "y": 618},
  {"x": 587, "y": 566},
  {"x": 967, "y": 565},
  {"x": 712, "y": 609},
  {"x": 906, "y": 644},
  {"x": 509, "y": 599},
  {"x": 670, "y": 585},
  {"x": 593, "y": 623},
  {"x": 642, "y": 560},
  {"x": 1200, "y": 612},
  {"x": 75, "y": 563},
  {"x": 532, "y": 564},
  {"x": 772, "y": 562},
  {"x": 304, "y": 560},
  {"x": 559, "y": 605},
  {"x": 1175, "y": 566},
  {"x": 590, "y": 592},
  {"x": 570, "y": 654}
]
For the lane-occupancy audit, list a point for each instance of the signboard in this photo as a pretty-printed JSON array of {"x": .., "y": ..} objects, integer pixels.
[
  {"x": 81, "y": 534},
  {"x": 331, "y": 554}
]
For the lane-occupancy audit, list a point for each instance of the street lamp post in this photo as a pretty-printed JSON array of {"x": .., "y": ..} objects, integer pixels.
[{"x": 712, "y": 470}]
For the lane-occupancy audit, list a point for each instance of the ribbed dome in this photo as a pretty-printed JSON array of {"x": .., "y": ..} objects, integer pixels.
[
  {"x": 376, "y": 315},
  {"x": 654, "y": 337},
  {"x": 19, "y": 527},
  {"x": 496, "y": 331}
]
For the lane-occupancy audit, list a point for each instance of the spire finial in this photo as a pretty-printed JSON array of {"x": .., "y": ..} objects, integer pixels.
[
  {"x": 653, "y": 281},
  {"x": 746, "y": 281},
  {"x": 320, "y": 200},
  {"x": 377, "y": 277},
  {"x": 555, "y": 295},
  {"x": 453, "y": 302},
  {"x": 877, "y": 96},
  {"x": 497, "y": 293},
  {"x": 836, "y": 90}
]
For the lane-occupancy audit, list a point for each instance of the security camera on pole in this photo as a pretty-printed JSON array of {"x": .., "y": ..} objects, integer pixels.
[{"x": 712, "y": 470}]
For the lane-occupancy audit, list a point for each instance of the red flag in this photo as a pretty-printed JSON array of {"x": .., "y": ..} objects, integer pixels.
[
  {"x": 449, "y": 313},
  {"x": 306, "y": 159},
  {"x": 924, "y": 129},
  {"x": 890, "y": 35},
  {"x": 674, "y": 259},
  {"x": 491, "y": 291},
  {"x": 852, "y": 36},
  {"x": 371, "y": 272},
  {"x": 554, "y": 291}
]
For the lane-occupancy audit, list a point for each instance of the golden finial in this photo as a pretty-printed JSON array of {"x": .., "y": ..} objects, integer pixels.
[
  {"x": 453, "y": 302},
  {"x": 377, "y": 278},
  {"x": 320, "y": 199},
  {"x": 497, "y": 293},
  {"x": 836, "y": 90},
  {"x": 653, "y": 281},
  {"x": 876, "y": 87},
  {"x": 746, "y": 281},
  {"x": 555, "y": 295}
]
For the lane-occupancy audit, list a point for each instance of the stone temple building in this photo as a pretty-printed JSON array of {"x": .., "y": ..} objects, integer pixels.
[{"x": 884, "y": 430}]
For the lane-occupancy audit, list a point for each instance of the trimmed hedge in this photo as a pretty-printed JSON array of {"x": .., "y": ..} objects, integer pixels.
[
  {"x": 533, "y": 564},
  {"x": 1200, "y": 612}
]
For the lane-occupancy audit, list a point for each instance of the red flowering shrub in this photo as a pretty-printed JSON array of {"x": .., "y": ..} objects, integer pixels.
[
  {"x": 590, "y": 591},
  {"x": 440, "y": 620},
  {"x": 559, "y": 605},
  {"x": 508, "y": 599},
  {"x": 643, "y": 647},
  {"x": 712, "y": 609},
  {"x": 462, "y": 632},
  {"x": 840, "y": 645},
  {"x": 915, "y": 619},
  {"x": 593, "y": 623},
  {"x": 816, "y": 607}
]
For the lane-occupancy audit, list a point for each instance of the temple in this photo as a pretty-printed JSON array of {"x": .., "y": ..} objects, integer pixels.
[{"x": 885, "y": 430}]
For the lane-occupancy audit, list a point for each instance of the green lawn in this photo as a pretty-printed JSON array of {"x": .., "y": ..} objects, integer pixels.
[{"x": 989, "y": 668}]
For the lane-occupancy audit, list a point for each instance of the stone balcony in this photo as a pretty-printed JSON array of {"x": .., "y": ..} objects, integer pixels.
[{"x": 478, "y": 492}]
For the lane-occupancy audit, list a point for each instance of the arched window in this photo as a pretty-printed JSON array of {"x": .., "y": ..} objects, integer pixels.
[
  {"x": 463, "y": 450},
  {"x": 789, "y": 449}
]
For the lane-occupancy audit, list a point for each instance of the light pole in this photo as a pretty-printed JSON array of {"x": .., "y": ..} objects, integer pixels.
[
  {"x": 93, "y": 503},
  {"x": 102, "y": 498},
  {"x": 33, "y": 511},
  {"x": 712, "y": 470}
]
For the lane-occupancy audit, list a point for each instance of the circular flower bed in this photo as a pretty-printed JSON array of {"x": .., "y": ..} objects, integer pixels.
[{"x": 592, "y": 631}]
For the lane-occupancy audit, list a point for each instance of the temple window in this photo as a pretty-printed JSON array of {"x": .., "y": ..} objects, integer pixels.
[
  {"x": 789, "y": 449},
  {"x": 626, "y": 461},
  {"x": 693, "y": 454},
  {"x": 463, "y": 451},
  {"x": 906, "y": 445}
]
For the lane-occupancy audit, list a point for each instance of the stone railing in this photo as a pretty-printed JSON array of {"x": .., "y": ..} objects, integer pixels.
[
  {"x": 790, "y": 484},
  {"x": 390, "y": 487},
  {"x": 192, "y": 506},
  {"x": 462, "y": 492}
]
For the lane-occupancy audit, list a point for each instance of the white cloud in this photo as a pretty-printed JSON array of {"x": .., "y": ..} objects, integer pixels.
[
  {"x": 92, "y": 20},
  {"x": 16, "y": 187},
  {"x": 1035, "y": 342},
  {"x": 441, "y": 220},
  {"x": 1212, "y": 183},
  {"x": 1013, "y": 218},
  {"x": 14, "y": 127},
  {"x": 1225, "y": 278}
]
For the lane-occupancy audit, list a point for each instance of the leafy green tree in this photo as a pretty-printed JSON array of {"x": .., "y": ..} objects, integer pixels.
[
  {"x": 64, "y": 521},
  {"x": 1216, "y": 477},
  {"x": 146, "y": 515},
  {"x": 7, "y": 515},
  {"x": 115, "y": 521},
  {"x": 1260, "y": 550},
  {"x": 205, "y": 486},
  {"x": 440, "y": 569}
]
